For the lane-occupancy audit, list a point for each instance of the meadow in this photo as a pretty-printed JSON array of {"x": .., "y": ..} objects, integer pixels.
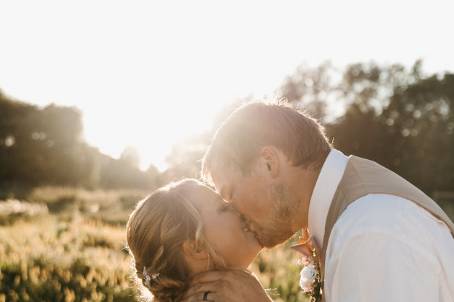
[{"x": 66, "y": 244}]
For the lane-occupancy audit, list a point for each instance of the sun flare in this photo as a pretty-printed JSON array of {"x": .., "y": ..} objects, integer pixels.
[{"x": 149, "y": 75}]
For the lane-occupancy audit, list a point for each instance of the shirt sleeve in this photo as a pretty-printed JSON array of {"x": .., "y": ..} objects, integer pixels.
[{"x": 377, "y": 267}]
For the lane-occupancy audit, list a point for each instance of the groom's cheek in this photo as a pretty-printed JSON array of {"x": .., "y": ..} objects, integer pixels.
[{"x": 253, "y": 209}]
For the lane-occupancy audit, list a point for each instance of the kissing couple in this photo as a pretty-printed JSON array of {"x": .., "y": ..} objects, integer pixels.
[{"x": 269, "y": 172}]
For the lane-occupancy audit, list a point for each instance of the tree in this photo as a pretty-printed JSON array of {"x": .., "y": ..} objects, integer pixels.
[
  {"x": 44, "y": 146},
  {"x": 310, "y": 89},
  {"x": 131, "y": 157},
  {"x": 397, "y": 116}
]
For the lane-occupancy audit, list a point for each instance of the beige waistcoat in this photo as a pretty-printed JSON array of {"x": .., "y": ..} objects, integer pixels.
[{"x": 363, "y": 177}]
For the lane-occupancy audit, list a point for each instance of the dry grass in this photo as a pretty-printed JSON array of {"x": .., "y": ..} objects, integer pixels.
[{"x": 73, "y": 253}]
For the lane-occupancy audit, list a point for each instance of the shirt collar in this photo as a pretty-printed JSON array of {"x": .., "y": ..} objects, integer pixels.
[{"x": 327, "y": 182}]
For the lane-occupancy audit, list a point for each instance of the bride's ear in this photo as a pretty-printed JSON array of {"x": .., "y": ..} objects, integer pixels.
[{"x": 194, "y": 252}]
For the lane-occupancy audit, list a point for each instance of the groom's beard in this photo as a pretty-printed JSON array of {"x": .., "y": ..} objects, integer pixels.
[
  {"x": 279, "y": 227},
  {"x": 276, "y": 232}
]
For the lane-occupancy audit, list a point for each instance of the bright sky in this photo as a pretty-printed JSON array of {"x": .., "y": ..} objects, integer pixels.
[{"x": 149, "y": 73}]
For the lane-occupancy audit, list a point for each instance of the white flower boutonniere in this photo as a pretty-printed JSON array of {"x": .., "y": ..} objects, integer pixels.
[{"x": 310, "y": 277}]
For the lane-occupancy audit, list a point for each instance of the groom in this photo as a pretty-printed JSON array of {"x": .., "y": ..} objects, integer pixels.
[{"x": 379, "y": 237}]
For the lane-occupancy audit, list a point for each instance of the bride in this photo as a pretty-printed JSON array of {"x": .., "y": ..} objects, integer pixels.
[{"x": 183, "y": 229}]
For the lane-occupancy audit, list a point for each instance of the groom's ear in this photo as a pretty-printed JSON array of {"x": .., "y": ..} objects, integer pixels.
[{"x": 270, "y": 159}]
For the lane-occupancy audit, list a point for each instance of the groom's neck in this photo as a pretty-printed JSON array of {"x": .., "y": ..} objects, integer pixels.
[{"x": 304, "y": 184}]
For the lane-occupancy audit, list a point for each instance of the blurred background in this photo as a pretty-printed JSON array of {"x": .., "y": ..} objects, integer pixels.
[{"x": 102, "y": 102}]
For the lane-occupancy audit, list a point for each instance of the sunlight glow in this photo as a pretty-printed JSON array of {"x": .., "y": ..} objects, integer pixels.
[{"x": 148, "y": 74}]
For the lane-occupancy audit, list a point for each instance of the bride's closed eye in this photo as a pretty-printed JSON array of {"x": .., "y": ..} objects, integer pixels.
[{"x": 225, "y": 207}]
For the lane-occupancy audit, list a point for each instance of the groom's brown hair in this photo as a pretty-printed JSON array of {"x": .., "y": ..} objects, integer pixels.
[{"x": 255, "y": 125}]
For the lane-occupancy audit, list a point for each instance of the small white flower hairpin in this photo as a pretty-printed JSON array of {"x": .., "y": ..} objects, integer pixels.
[{"x": 148, "y": 278}]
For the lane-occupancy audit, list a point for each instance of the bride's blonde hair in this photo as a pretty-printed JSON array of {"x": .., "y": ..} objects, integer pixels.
[{"x": 156, "y": 231}]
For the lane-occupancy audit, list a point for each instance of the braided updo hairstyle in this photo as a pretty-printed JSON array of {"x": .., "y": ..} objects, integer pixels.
[{"x": 156, "y": 231}]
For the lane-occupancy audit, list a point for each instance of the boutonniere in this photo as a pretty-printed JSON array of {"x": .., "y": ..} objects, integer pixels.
[{"x": 310, "y": 277}]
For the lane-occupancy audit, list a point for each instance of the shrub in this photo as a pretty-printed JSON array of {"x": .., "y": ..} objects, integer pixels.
[{"x": 12, "y": 210}]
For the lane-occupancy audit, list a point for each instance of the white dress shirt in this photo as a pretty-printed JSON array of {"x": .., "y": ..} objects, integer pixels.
[{"x": 382, "y": 247}]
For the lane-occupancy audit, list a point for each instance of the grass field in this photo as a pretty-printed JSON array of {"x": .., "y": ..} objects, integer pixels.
[{"x": 66, "y": 244}]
